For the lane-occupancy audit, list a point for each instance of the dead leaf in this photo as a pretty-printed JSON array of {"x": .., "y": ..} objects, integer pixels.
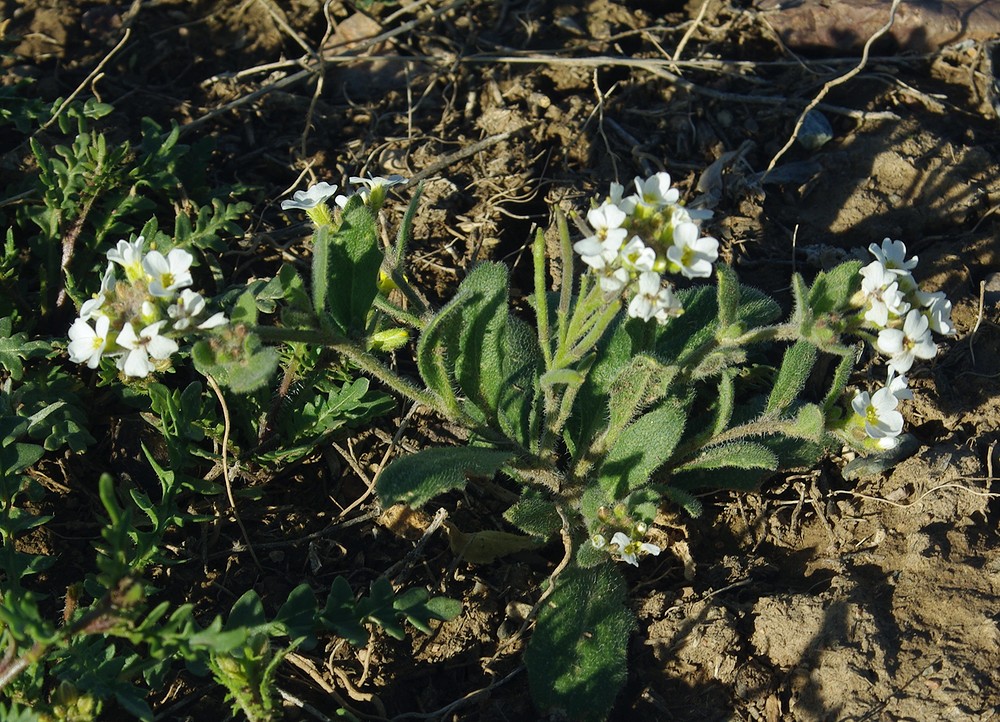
[{"x": 485, "y": 547}]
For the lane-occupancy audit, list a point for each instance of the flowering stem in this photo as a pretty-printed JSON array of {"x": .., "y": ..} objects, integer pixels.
[{"x": 541, "y": 297}]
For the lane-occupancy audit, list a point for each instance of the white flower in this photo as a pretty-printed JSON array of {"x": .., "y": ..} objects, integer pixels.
[
  {"x": 903, "y": 346},
  {"x": 885, "y": 300},
  {"x": 892, "y": 255},
  {"x": 601, "y": 249},
  {"x": 598, "y": 541},
  {"x": 637, "y": 257},
  {"x": 86, "y": 344},
  {"x": 878, "y": 411},
  {"x": 937, "y": 309},
  {"x": 644, "y": 305},
  {"x": 92, "y": 307},
  {"x": 214, "y": 321},
  {"x": 692, "y": 256},
  {"x": 168, "y": 273},
  {"x": 307, "y": 199},
  {"x": 655, "y": 191},
  {"x": 617, "y": 197},
  {"x": 898, "y": 386},
  {"x": 129, "y": 256},
  {"x": 629, "y": 550},
  {"x": 188, "y": 306},
  {"x": 140, "y": 347},
  {"x": 612, "y": 281},
  {"x": 377, "y": 181},
  {"x": 653, "y": 301}
]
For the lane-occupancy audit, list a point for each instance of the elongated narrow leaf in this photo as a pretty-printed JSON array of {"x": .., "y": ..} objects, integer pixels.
[
  {"x": 727, "y": 295},
  {"x": 725, "y": 402},
  {"x": 322, "y": 239},
  {"x": 643, "y": 448},
  {"x": 576, "y": 659},
  {"x": 792, "y": 376},
  {"x": 740, "y": 455},
  {"x": 841, "y": 376},
  {"x": 417, "y": 478}
]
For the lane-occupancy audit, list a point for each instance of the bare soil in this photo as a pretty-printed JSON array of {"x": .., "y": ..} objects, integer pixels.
[{"x": 817, "y": 598}]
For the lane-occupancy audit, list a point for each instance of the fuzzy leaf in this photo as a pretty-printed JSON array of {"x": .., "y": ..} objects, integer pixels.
[
  {"x": 349, "y": 279},
  {"x": 576, "y": 659},
  {"x": 727, "y": 295},
  {"x": 520, "y": 363},
  {"x": 841, "y": 376},
  {"x": 832, "y": 290},
  {"x": 642, "y": 382},
  {"x": 792, "y": 376},
  {"x": 419, "y": 477},
  {"x": 642, "y": 448},
  {"x": 436, "y": 350},
  {"x": 482, "y": 334},
  {"x": 809, "y": 424},
  {"x": 740, "y": 455},
  {"x": 534, "y": 514}
]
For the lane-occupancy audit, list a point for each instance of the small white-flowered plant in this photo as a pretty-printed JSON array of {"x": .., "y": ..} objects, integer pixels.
[{"x": 153, "y": 297}]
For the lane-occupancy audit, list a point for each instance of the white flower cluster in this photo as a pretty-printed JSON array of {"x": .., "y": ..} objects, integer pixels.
[
  {"x": 904, "y": 317},
  {"x": 136, "y": 320},
  {"x": 639, "y": 237}
]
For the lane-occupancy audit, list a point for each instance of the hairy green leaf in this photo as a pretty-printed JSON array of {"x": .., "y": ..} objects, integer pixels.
[
  {"x": 419, "y": 477},
  {"x": 642, "y": 448},
  {"x": 534, "y": 513},
  {"x": 792, "y": 376},
  {"x": 350, "y": 275},
  {"x": 576, "y": 659},
  {"x": 741, "y": 454}
]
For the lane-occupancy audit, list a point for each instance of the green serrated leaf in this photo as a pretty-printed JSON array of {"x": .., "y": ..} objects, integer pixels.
[
  {"x": 576, "y": 658},
  {"x": 792, "y": 376},
  {"x": 340, "y": 613},
  {"x": 417, "y": 478}
]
